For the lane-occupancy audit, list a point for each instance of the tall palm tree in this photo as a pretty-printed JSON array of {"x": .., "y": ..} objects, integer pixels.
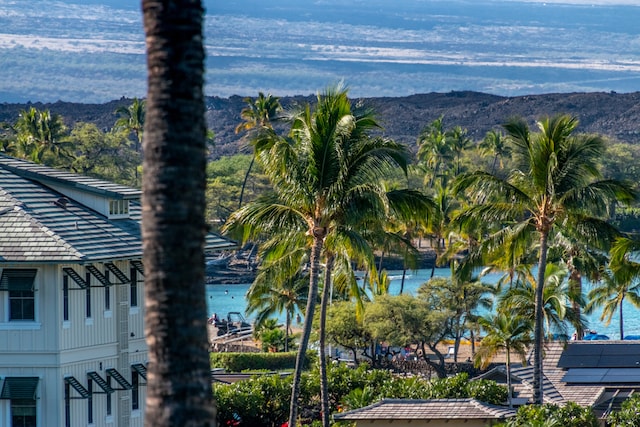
[
  {"x": 41, "y": 132},
  {"x": 508, "y": 333},
  {"x": 131, "y": 119},
  {"x": 434, "y": 150},
  {"x": 557, "y": 300},
  {"x": 459, "y": 142},
  {"x": 173, "y": 221},
  {"x": 258, "y": 113},
  {"x": 280, "y": 285},
  {"x": 555, "y": 183},
  {"x": 618, "y": 284},
  {"x": 326, "y": 170},
  {"x": 495, "y": 144}
]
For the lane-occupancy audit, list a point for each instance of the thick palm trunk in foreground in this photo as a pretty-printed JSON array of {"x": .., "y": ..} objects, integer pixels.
[{"x": 173, "y": 225}]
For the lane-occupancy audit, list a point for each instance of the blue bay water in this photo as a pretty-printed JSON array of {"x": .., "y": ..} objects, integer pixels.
[{"x": 222, "y": 299}]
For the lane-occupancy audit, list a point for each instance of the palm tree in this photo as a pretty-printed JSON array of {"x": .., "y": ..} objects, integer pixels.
[
  {"x": 39, "y": 132},
  {"x": 557, "y": 300},
  {"x": 495, "y": 144},
  {"x": 459, "y": 142},
  {"x": 434, "y": 150},
  {"x": 131, "y": 119},
  {"x": 280, "y": 285},
  {"x": 327, "y": 170},
  {"x": 555, "y": 183},
  {"x": 618, "y": 284},
  {"x": 325, "y": 174},
  {"x": 173, "y": 221},
  {"x": 508, "y": 333},
  {"x": 257, "y": 114}
]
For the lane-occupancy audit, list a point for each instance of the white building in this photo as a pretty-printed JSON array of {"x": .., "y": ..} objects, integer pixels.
[{"x": 72, "y": 348}]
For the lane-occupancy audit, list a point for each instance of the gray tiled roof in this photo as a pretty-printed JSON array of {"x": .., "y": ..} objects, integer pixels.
[
  {"x": 45, "y": 174},
  {"x": 34, "y": 228},
  {"x": 433, "y": 409}
]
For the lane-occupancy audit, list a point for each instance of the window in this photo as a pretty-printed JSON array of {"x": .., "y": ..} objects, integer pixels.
[
  {"x": 90, "y": 401},
  {"x": 118, "y": 208},
  {"x": 88, "y": 296},
  {"x": 20, "y": 286},
  {"x": 23, "y": 413},
  {"x": 67, "y": 405},
  {"x": 22, "y": 305},
  {"x": 133, "y": 298},
  {"x": 21, "y": 391},
  {"x": 109, "y": 402},
  {"x": 65, "y": 297},
  {"x": 107, "y": 293},
  {"x": 135, "y": 396}
]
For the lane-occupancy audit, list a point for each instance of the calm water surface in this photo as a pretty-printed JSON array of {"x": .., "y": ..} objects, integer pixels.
[{"x": 222, "y": 299}]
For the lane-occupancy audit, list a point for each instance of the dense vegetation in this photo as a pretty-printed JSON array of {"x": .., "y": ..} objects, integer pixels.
[{"x": 322, "y": 194}]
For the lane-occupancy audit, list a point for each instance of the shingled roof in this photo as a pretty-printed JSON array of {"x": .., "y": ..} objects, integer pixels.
[
  {"x": 431, "y": 409},
  {"x": 40, "y": 224}
]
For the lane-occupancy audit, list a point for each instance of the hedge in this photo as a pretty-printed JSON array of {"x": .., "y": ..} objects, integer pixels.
[{"x": 239, "y": 362}]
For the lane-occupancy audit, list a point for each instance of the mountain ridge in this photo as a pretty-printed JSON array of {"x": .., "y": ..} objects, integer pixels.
[{"x": 611, "y": 114}]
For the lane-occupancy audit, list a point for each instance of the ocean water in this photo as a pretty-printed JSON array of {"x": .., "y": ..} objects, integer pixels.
[{"x": 222, "y": 299}]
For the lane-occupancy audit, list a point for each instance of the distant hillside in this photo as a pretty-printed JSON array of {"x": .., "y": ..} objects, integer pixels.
[{"x": 616, "y": 115}]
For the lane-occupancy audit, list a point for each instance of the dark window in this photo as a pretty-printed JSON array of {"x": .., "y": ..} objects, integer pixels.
[
  {"x": 65, "y": 297},
  {"x": 88, "y": 296},
  {"x": 23, "y": 413},
  {"x": 90, "y": 401},
  {"x": 134, "y": 287},
  {"x": 135, "y": 397},
  {"x": 22, "y": 305},
  {"x": 108, "y": 396},
  {"x": 67, "y": 405},
  {"x": 19, "y": 283},
  {"x": 107, "y": 293}
]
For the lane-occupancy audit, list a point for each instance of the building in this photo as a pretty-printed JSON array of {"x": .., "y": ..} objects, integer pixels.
[
  {"x": 597, "y": 374},
  {"x": 72, "y": 348},
  {"x": 427, "y": 413}
]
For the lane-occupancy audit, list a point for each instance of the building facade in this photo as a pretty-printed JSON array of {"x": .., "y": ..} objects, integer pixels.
[{"x": 72, "y": 347}]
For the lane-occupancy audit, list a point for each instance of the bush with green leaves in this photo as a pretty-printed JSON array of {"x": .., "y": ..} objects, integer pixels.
[
  {"x": 259, "y": 401},
  {"x": 247, "y": 402},
  {"x": 548, "y": 415},
  {"x": 239, "y": 362},
  {"x": 628, "y": 415}
]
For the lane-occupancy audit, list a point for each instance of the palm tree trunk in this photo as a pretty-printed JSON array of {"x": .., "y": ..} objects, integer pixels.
[
  {"x": 538, "y": 329},
  {"x": 621, "y": 320},
  {"x": 173, "y": 222},
  {"x": 324, "y": 302},
  {"x": 316, "y": 250},
  {"x": 286, "y": 331},
  {"x": 575, "y": 283},
  {"x": 244, "y": 183},
  {"x": 509, "y": 378}
]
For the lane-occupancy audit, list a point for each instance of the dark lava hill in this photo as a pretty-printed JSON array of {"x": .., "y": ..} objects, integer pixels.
[{"x": 615, "y": 115}]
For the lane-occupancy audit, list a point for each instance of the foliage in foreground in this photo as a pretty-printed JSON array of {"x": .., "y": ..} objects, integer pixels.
[
  {"x": 263, "y": 400},
  {"x": 628, "y": 415},
  {"x": 548, "y": 415}
]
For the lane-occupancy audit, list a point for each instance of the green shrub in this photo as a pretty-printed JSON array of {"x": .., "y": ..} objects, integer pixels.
[
  {"x": 547, "y": 415},
  {"x": 260, "y": 401},
  {"x": 239, "y": 362},
  {"x": 628, "y": 415}
]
